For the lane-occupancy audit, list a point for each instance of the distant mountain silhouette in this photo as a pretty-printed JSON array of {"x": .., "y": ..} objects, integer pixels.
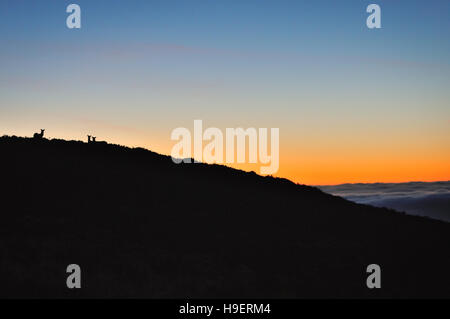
[{"x": 141, "y": 226}]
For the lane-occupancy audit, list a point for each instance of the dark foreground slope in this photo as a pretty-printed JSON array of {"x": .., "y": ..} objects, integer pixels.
[{"x": 141, "y": 226}]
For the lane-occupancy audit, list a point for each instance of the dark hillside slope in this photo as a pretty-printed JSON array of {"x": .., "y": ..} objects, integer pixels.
[{"x": 141, "y": 226}]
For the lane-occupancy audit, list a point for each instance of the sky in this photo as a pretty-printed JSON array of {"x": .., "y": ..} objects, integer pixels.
[{"x": 353, "y": 105}]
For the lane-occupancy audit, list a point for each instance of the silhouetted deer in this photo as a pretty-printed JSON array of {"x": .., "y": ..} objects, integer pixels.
[
  {"x": 39, "y": 135},
  {"x": 94, "y": 141}
]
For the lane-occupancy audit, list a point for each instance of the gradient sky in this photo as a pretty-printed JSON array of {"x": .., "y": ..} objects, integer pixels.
[{"x": 352, "y": 104}]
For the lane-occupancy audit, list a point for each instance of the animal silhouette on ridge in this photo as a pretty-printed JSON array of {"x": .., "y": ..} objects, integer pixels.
[
  {"x": 39, "y": 135},
  {"x": 91, "y": 139}
]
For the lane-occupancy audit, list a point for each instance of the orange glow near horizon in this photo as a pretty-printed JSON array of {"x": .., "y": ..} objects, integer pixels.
[
  {"x": 313, "y": 166},
  {"x": 315, "y": 172}
]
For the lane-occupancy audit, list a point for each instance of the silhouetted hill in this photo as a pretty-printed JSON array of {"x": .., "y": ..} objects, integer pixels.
[{"x": 141, "y": 226}]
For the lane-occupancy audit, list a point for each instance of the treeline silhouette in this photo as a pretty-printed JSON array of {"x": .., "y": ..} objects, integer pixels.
[{"x": 141, "y": 226}]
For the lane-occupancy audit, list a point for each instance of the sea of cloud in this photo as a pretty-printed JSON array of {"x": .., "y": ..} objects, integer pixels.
[{"x": 416, "y": 198}]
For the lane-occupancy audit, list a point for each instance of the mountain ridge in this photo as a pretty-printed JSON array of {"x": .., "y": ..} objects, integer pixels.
[{"x": 140, "y": 225}]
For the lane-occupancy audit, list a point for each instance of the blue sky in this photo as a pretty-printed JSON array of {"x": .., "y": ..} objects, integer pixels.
[{"x": 137, "y": 69}]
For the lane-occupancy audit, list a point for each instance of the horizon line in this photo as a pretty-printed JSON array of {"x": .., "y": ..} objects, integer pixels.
[{"x": 224, "y": 164}]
